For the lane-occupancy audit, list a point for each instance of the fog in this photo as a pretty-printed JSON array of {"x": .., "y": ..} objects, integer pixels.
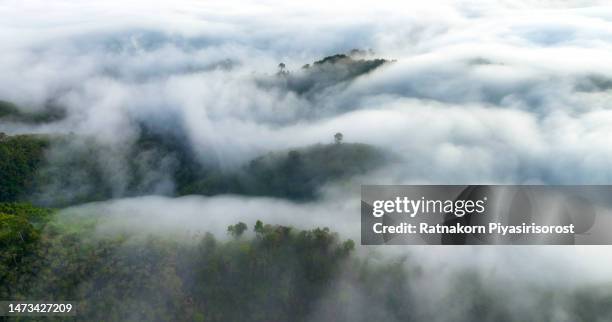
[
  {"x": 512, "y": 92},
  {"x": 466, "y": 81}
]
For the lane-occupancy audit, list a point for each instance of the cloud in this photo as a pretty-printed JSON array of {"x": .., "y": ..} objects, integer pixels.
[
  {"x": 517, "y": 280},
  {"x": 481, "y": 92},
  {"x": 198, "y": 63}
]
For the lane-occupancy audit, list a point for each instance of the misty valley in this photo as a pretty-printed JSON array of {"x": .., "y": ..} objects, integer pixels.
[
  {"x": 202, "y": 161},
  {"x": 271, "y": 273}
]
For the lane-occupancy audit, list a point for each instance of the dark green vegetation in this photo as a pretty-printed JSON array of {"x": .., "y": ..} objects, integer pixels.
[
  {"x": 277, "y": 275},
  {"x": 20, "y": 158},
  {"x": 336, "y": 70},
  {"x": 295, "y": 174},
  {"x": 20, "y": 235},
  {"x": 11, "y": 112},
  {"x": 331, "y": 70},
  {"x": 75, "y": 170},
  {"x": 266, "y": 273}
]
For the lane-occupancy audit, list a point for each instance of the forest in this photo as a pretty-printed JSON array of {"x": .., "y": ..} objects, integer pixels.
[
  {"x": 296, "y": 174},
  {"x": 259, "y": 273}
]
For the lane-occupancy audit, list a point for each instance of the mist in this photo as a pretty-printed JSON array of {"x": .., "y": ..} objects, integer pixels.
[{"x": 474, "y": 92}]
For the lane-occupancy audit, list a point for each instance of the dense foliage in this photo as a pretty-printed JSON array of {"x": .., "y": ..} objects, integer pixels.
[
  {"x": 267, "y": 273},
  {"x": 20, "y": 158},
  {"x": 274, "y": 276},
  {"x": 20, "y": 236},
  {"x": 13, "y": 113},
  {"x": 296, "y": 174},
  {"x": 70, "y": 170},
  {"x": 335, "y": 70}
]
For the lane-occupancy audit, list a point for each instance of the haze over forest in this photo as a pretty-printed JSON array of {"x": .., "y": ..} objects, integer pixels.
[{"x": 202, "y": 161}]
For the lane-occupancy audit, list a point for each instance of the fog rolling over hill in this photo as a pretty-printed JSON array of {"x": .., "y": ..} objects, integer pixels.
[{"x": 181, "y": 160}]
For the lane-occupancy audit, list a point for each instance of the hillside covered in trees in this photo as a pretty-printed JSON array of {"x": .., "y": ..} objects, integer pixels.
[
  {"x": 14, "y": 113},
  {"x": 335, "y": 70},
  {"x": 275, "y": 275},
  {"x": 259, "y": 272},
  {"x": 20, "y": 159},
  {"x": 29, "y": 174}
]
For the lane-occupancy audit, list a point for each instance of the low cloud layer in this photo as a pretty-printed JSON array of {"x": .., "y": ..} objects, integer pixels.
[
  {"x": 480, "y": 92},
  {"x": 191, "y": 216},
  {"x": 505, "y": 93}
]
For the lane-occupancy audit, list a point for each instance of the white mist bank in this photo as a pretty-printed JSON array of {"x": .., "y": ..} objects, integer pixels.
[
  {"x": 512, "y": 91},
  {"x": 185, "y": 217},
  {"x": 481, "y": 92}
]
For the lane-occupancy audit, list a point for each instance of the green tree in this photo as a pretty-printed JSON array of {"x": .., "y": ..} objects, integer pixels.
[
  {"x": 237, "y": 230},
  {"x": 338, "y": 138}
]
